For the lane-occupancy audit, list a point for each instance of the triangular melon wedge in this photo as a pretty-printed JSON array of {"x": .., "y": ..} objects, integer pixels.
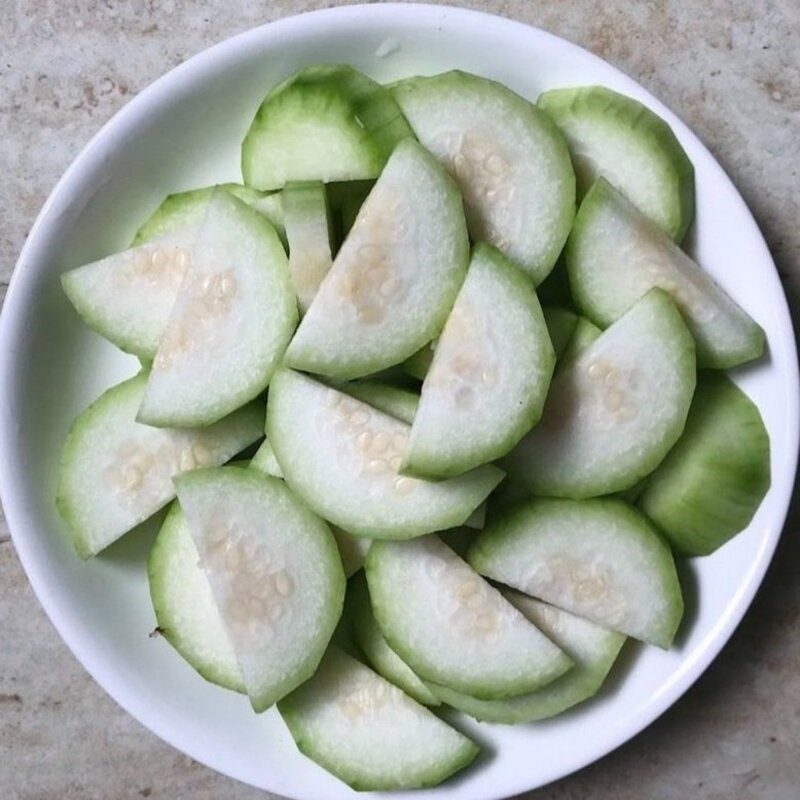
[
  {"x": 230, "y": 324},
  {"x": 274, "y": 571},
  {"x": 615, "y": 410},
  {"x": 451, "y": 626},
  {"x": 342, "y": 457},
  {"x": 395, "y": 277}
]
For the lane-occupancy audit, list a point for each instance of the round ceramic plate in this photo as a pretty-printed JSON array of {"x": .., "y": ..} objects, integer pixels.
[{"x": 184, "y": 131}]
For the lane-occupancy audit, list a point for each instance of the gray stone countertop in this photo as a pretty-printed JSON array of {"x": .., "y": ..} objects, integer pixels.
[{"x": 730, "y": 69}]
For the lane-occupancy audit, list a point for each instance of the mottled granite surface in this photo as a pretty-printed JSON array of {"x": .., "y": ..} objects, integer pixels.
[{"x": 731, "y": 70}]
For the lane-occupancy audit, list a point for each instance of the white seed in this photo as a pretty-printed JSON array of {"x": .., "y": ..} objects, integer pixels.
[
  {"x": 187, "y": 461},
  {"x": 372, "y": 254},
  {"x": 381, "y": 443},
  {"x": 371, "y": 315},
  {"x": 181, "y": 259},
  {"x": 614, "y": 400},
  {"x": 389, "y": 287},
  {"x": 404, "y": 485},
  {"x": 283, "y": 584},
  {"x": 376, "y": 467},
  {"x": 133, "y": 478},
  {"x": 159, "y": 259},
  {"x": 495, "y": 164},
  {"x": 364, "y": 440},
  {"x": 359, "y": 418},
  {"x": 627, "y": 412}
]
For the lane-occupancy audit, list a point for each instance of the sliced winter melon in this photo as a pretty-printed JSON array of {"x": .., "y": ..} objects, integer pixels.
[
  {"x": 615, "y": 411},
  {"x": 342, "y": 457},
  {"x": 710, "y": 484},
  {"x": 592, "y": 648},
  {"x": 230, "y": 324},
  {"x": 395, "y": 277},
  {"x": 600, "y": 559},
  {"x": 324, "y": 123},
  {"x": 369, "y": 734},
  {"x": 615, "y": 255},
  {"x": 274, "y": 571},
  {"x": 618, "y": 138},
  {"x": 452, "y": 627},
  {"x": 509, "y": 160},
  {"x": 116, "y": 472},
  {"x": 392, "y": 400},
  {"x": 490, "y": 373}
]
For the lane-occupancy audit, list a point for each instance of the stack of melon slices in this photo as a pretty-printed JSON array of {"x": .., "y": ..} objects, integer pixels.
[{"x": 463, "y": 498}]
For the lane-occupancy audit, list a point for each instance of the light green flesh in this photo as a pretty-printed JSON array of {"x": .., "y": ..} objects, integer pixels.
[
  {"x": 712, "y": 482},
  {"x": 560, "y": 327},
  {"x": 128, "y": 297},
  {"x": 352, "y": 550},
  {"x": 584, "y": 334},
  {"x": 115, "y": 473},
  {"x": 616, "y": 410},
  {"x": 274, "y": 571},
  {"x": 487, "y": 384},
  {"x": 187, "y": 209},
  {"x": 230, "y": 324},
  {"x": 600, "y": 559},
  {"x": 325, "y": 123},
  {"x": 394, "y": 279},
  {"x": 592, "y": 648},
  {"x": 512, "y": 165},
  {"x": 399, "y": 403},
  {"x": 186, "y": 612},
  {"x": 342, "y": 457},
  {"x": 369, "y": 734},
  {"x": 615, "y": 255},
  {"x": 305, "y": 209},
  {"x": 381, "y": 657},
  {"x": 452, "y": 627},
  {"x": 618, "y": 138},
  {"x": 418, "y": 364}
]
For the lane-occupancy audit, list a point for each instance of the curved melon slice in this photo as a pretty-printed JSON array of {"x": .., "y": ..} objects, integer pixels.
[
  {"x": 186, "y": 612},
  {"x": 710, "y": 484},
  {"x": 342, "y": 457},
  {"x": 510, "y": 161},
  {"x": 395, "y": 277},
  {"x": 308, "y": 229},
  {"x": 115, "y": 473},
  {"x": 615, "y": 411},
  {"x": 451, "y": 627},
  {"x": 274, "y": 571},
  {"x": 324, "y": 123},
  {"x": 369, "y": 734},
  {"x": 230, "y": 323},
  {"x": 490, "y": 373},
  {"x": 592, "y": 648},
  {"x": 620, "y": 139},
  {"x": 600, "y": 559},
  {"x": 615, "y": 255},
  {"x": 384, "y": 660}
]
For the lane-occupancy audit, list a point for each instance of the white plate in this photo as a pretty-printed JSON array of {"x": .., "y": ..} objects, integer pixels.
[{"x": 184, "y": 131}]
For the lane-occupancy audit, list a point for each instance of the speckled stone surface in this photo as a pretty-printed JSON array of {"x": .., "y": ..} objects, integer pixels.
[{"x": 731, "y": 70}]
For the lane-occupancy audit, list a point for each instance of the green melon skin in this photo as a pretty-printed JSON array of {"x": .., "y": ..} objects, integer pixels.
[
  {"x": 601, "y": 559},
  {"x": 367, "y": 733},
  {"x": 615, "y": 255},
  {"x": 592, "y": 648},
  {"x": 560, "y": 325},
  {"x": 712, "y": 482},
  {"x": 618, "y": 138},
  {"x": 381, "y": 657},
  {"x": 324, "y": 123}
]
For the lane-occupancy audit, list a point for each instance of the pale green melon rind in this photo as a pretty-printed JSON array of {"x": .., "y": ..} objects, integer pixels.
[
  {"x": 524, "y": 465},
  {"x": 583, "y": 681},
  {"x": 158, "y": 408},
  {"x": 245, "y": 422},
  {"x": 381, "y": 657},
  {"x": 560, "y": 325},
  {"x": 328, "y": 562},
  {"x": 419, "y": 97},
  {"x": 298, "y": 708},
  {"x": 418, "y": 656},
  {"x": 612, "y": 112},
  {"x": 163, "y": 563},
  {"x": 418, "y": 364},
  {"x": 611, "y": 246},
  {"x": 393, "y": 400},
  {"x": 264, "y": 460},
  {"x": 514, "y": 298},
  {"x": 584, "y": 334},
  {"x": 295, "y": 458},
  {"x": 328, "y": 123},
  {"x": 712, "y": 482},
  {"x": 311, "y": 348},
  {"x": 515, "y": 538}
]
